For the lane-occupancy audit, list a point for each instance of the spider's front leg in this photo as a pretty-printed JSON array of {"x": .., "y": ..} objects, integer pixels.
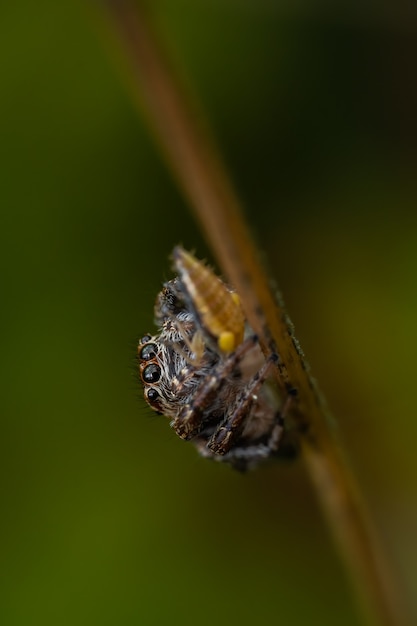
[
  {"x": 190, "y": 421},
  {"x": 224, "y": 436}
]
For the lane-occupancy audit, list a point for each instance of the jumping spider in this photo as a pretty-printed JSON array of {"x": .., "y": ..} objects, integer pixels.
[{"x": 205, "y": 370}]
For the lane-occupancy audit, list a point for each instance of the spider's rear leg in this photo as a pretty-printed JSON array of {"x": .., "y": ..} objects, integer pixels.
[
  {"x": 223, "y": 437},
  {"x": 245, "y": 457},
  {"x": 191, "y": 419}
]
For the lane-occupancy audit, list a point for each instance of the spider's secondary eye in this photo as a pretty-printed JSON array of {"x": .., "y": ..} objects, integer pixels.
[
  {"x": 145, "y": 339},
  {"x": 152, "y": 395},
  {"x": 151, "y": 373},
  {"x": 148, "y": 352}
]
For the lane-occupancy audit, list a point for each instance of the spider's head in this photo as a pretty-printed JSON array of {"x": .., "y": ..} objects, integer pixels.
[{"x": 158, "y": 365}]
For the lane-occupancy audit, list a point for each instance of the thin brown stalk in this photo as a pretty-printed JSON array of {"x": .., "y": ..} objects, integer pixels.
[{"x": 190, "y": 153}]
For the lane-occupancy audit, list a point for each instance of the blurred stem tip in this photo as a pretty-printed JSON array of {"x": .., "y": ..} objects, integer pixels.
[{"x": 182, "y": 134}]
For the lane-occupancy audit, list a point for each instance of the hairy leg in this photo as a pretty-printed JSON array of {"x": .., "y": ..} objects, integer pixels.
[{"x": 191, "y": 419}]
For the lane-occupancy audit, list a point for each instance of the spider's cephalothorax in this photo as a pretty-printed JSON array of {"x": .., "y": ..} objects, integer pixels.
[{"x": 205, "y": 370}]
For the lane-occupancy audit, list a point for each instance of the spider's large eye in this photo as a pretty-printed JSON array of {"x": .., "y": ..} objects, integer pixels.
[
  {"x": 148, "y": 352},
  {"x": 151, "y": 373},
  {"x": 152, "y": 395}
]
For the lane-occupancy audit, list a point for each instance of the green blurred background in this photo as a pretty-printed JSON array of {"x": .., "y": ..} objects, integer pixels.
[{"x": 108, "y": 518}]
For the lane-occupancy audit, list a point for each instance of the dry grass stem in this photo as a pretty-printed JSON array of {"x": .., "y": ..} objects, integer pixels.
[{"x": 191, "y": 154}]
